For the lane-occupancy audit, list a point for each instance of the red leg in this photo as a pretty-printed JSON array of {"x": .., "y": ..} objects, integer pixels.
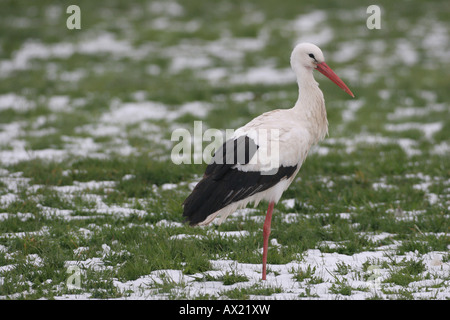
[{"x": 266, "y": 233}]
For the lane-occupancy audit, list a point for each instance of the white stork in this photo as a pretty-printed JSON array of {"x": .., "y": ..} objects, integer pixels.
[{"x": 263, "y": 157}]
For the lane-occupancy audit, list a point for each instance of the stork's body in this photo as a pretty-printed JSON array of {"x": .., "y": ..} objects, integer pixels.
[{"x": 263, "y": 157}]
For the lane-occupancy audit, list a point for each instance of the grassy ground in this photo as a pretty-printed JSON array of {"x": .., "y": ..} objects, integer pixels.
[{"x": 86, "y": 181}]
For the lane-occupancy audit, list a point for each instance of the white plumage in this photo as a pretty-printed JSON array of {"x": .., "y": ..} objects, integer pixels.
[{"x": 283, "y": 138}]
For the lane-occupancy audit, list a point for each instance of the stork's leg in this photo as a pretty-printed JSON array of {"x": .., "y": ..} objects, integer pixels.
[{"x": 266, "y": 233}]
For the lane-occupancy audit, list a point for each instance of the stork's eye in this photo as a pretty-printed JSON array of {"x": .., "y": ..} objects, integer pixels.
[{"x": 312, "y": 56}]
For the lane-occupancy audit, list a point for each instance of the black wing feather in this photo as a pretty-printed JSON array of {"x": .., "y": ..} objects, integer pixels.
[{"x": 223, "y": 184}]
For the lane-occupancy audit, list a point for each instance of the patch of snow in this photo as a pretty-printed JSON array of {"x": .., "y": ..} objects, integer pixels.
[{"x": 428, "y": 129}]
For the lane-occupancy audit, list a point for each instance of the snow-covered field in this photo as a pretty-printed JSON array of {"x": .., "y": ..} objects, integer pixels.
[{"x": 90, "y": 206}]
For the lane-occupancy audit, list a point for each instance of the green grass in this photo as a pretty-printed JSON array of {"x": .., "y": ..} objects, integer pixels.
[
  {"x": 75, "y": 180},
  {"x": 257, "y": 289}
]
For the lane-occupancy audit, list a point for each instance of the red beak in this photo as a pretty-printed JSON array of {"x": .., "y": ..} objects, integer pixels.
[{"x": 326, "y": 70}]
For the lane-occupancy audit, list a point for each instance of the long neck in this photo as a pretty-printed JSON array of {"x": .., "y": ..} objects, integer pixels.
[{"x": 310, "y": 105}]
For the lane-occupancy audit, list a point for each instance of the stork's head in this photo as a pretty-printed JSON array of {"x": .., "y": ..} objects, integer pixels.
[
  {"x": 306, "y": 55},
  {"x": 309, "y": 56}
]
